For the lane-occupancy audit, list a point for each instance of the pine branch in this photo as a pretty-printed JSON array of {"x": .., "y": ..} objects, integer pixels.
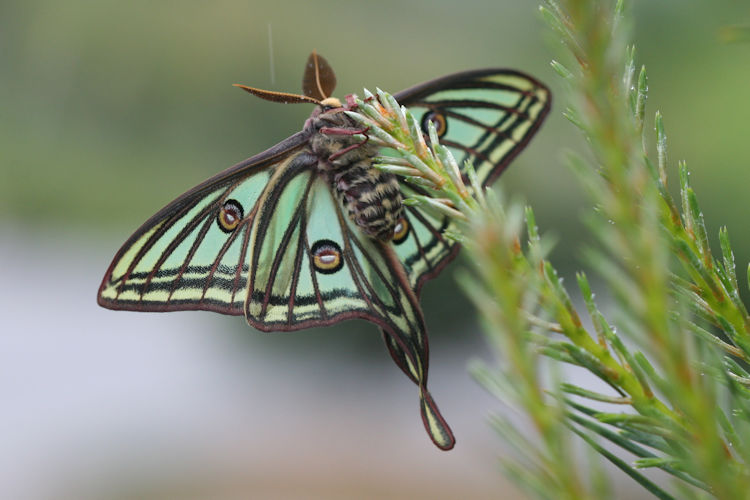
[{"x": 680, "y": 399}]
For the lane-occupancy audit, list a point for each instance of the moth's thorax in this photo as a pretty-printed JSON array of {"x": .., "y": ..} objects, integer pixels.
[
  {"x": 333, "y": 132},
  {"x": 371, "y": 197}
]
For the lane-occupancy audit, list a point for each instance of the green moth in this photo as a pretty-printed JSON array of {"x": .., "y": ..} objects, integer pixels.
[{"x": 308, "y": 233}]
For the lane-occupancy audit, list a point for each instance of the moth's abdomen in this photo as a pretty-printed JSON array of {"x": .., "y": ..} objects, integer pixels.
[{"x": 371, "y": 197}]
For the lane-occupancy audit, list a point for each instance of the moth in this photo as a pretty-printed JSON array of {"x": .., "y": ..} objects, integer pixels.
[{"x": 308, "y": 233}]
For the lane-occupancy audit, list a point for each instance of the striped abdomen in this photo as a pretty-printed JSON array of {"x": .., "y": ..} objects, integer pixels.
[{"x": 371, "y": 197}]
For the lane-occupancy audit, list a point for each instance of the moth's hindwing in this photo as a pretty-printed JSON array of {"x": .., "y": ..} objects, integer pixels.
[{"x": 311, "y": 265}]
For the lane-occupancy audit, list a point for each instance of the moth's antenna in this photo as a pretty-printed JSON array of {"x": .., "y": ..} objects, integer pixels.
[
  {"x": 317, "y": 74},
  {"x": 270, "y": 54},
  {"x": 319, "y": 81},
  {"x": 284, "y": 97}
]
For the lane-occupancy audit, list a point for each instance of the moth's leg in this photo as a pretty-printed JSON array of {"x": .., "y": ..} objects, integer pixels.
[
  {"x": 345, "y": 131},
  {"x": 350, "y": 102}
]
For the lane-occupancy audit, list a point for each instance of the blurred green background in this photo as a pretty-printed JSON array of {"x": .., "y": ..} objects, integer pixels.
[{"x": 110, "y": 109}]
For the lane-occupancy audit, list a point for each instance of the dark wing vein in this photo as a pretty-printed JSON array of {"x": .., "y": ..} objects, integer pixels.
[
  {"x": 243, "y": 226},
  {"x": 297, "y": 265},
  {"x": 193, "y": 248},
  {"x": 281, "y": 249},
  {"x": 356, "y": 270},
  {"x": 163, "y": 228},
  {"x": 311, "y": 267}
]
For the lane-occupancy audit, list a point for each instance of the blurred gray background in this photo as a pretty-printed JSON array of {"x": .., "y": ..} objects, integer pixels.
[{"x": 110, "y": 109}]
